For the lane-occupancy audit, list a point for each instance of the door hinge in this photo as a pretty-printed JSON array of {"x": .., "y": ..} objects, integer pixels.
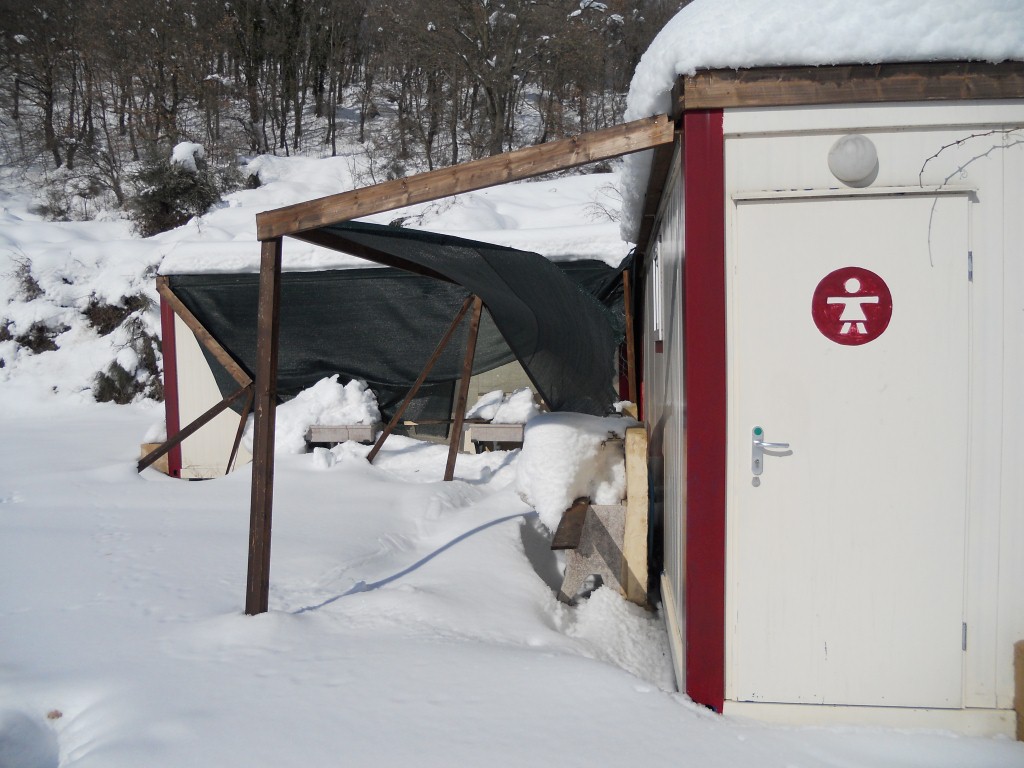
[
  {"x": 963, "y": 636},
  {"x": 970, "y": 266}
]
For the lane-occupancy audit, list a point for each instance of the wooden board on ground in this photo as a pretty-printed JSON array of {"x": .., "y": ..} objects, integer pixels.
[
  {"x": 567, "y": 535},
  {"x": 339, "y": 433},
  {"x": 634, "y": 545},
  {"x": 160, "y": 464}
]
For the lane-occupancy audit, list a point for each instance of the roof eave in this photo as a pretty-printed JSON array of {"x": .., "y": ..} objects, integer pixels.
[{"x": 849, "y": 84}]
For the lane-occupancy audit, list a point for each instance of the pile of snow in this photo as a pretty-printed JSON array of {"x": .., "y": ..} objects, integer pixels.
[
  {"x": 54, "y": 273},
  {"x": 498, "y": 408},
  {"x": 26, "y": 741},
  {"x": 625, "y": 635},
  {"x": 327, "y": 402},
  {"x": 718, "y": 34},
  {"x": 569, "y": 455},
  {"x": 563, "y": 219},
  {"x": 59, "y": 284},
  {"x": 186, "y": 154},
  {"x": 411, "y": 622}
]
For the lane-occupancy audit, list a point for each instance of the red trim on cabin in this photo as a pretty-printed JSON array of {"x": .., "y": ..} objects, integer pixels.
[
  {"x": 705, "y": 385},
  {"x": 171, "y": 415}
]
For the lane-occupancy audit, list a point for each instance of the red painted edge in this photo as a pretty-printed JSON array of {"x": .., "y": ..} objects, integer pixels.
[
  {"x": 705, "y": 385},
  {"x": 171, "y": 415}
]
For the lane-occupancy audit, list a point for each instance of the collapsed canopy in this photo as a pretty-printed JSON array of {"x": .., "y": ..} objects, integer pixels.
[{"x": 381, "y": 325}]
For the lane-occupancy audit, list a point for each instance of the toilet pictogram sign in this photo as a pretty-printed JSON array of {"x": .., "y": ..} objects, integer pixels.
[{"x": 851, "y": 306}]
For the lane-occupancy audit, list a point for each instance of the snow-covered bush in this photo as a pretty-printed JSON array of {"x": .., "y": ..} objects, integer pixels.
[
  {"x": 135, "y": 371},
  {"x": 170, "y": 192}
]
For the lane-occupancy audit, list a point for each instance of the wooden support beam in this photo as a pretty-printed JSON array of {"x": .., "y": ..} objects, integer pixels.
[
  {"x": 192, "y": 428},
  {"x": 239, "y": 432},
  {"x": 477, "y": 174},
  {"x": 455, "y": 437},
  {"x": 570, "y": 527},
  {"x": 634, "y": 577},
  {"x": 872, "y": 83},
  {"x": 663, "y": 173},
  {"x": 204, "y": 337},
  {"x": 329, "y": 239},
  {"x": 267, "y": 328},
  {"x": 419, "y": 381},
  {"x": 627, "y": 308},
  {"x": 1018, "y": 680}
]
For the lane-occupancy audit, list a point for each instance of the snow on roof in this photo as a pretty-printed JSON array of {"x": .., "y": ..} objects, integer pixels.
[{"x": 721, "y": 34}]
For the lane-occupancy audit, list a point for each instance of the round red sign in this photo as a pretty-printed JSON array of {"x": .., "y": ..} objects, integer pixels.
[{"x": 852, "y": 306}]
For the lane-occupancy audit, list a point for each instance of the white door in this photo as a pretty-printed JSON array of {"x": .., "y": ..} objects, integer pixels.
[{"x": 847, "y": 555}]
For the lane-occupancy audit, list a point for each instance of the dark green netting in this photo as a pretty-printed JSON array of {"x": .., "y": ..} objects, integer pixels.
[{"x": 563, "y": 322}]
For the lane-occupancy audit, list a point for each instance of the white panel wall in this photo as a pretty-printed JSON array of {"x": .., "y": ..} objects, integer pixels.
[
  {"x": 665, "y": 404},
  {"x": 977, "y": 146},
  {"x": 204, "y": 454}
]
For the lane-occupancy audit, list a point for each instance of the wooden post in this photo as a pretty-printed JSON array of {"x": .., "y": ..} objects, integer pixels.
[
  {"x": 627, "y": 308},
  {"x": 202, "y": 335},
  {"x": 201, "y": 421},
  {"x": 460, "y": 402},
  {"x": 486, "y": 172},
  {"x": 267, "y": 326},
  {"x": 419, "y": 381},
  {"x": 1018, "y": 677},
  {"x": 634, "y": 541},
  {"x": 239, "y": 432}
]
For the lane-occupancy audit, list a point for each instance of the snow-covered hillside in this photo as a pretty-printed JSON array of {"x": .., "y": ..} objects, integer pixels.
[
  {"x": 68, "y": 288},
  {"x": 412, "y": 622}
]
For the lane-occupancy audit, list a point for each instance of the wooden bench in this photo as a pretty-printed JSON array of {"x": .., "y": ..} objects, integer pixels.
[
  {"x": 610, "y": 540},
  {"x": 591, "y": 536},
  {"x": 329, "y": 435},
  {"x": 490, "y": 436}
]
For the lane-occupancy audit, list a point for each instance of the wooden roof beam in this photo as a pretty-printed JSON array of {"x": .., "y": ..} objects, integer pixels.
[
  {"x": 477, "y": 174},
  {"x": 870, "y": 83}
]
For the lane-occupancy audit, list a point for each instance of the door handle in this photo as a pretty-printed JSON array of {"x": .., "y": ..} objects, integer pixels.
[
  {"x": 771, "y": 446},
  {"x": 758, "y": 445}
]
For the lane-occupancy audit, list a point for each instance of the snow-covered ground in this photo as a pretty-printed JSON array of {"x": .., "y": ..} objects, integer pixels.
[{"x": 412, "y": 622}]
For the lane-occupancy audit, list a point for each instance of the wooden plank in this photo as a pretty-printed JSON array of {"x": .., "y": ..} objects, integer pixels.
[
  {"x": 191, "y": 429},
  {"x": 161, "y": 464},
  {"x": 570, "y": 528},
  {"x": 455, "y": 434},
  {"x": 329, "y": 239},
  {"x": 172, "y": 417},
  {"x": 495, "y": 433},
  {"x": 627, "y": 307},
  {"x": 243, "y": 418},
  {"x": 262, "y": 501},
  {"x": 477, "y": 174},
  {"x": 419, "y": 381},
  {"x": 634, "y": 541},
  {"x": 203, "y": 336},
  {"x": 662, "y": 167},
  {"x": 339, "y": 433},
  {"x": 796, "y": 86},
  {"x": 1018, "y": 677}
]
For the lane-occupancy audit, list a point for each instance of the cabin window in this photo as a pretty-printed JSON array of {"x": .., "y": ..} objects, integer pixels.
[{"x": 657, "y": 296}]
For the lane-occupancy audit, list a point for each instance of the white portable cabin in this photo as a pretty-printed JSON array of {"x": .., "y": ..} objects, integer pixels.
[{"x": 834, "y": 345}]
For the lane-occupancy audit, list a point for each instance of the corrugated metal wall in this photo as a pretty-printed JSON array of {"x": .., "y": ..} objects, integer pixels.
[{"x": 665, "y": 407}]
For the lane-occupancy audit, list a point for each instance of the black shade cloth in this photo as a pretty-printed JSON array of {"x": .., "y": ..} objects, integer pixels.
[{"x": 562, "y": 322}]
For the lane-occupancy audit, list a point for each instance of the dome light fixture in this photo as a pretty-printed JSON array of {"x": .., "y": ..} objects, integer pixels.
[{"x": 853, "y": 160}]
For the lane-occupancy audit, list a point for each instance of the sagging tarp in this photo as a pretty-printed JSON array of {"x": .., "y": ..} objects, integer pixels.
[{"x": 562, "y": 322}]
